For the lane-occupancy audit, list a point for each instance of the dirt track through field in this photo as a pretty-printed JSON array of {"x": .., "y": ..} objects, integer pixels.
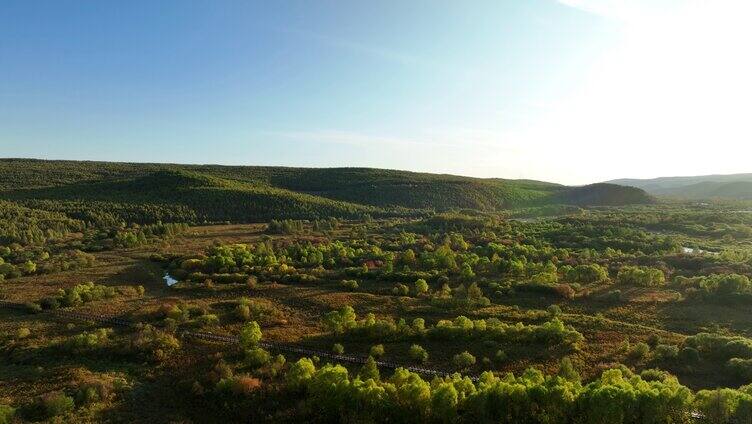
[{"x": 218, "y": 338}]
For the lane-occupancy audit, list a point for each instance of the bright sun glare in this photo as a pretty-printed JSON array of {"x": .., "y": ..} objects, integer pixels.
[{"x": 673, "y": 96}]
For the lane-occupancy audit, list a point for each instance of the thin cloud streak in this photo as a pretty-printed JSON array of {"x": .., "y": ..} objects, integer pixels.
[
  {"x": 350, "y": 138},
  {"x": 447, "y": 138},
  {"x": 384, "y": 54},
  {"x": 627, "y": 11}
]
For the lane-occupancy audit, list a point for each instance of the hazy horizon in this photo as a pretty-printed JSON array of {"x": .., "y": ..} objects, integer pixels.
[{"x": 568, "y": 91}]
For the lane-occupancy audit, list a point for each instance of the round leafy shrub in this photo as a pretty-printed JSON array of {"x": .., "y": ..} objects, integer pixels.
[
  {"x": 377, "y": 351},
  {"x": 250, "y": 335},
  {"x": 417, "y": 353},
  {"x": 55, "y": 404},
  {"x": 463, "y": 360},
  {"x": 257, "y": 357},
  {"x": 351, "y": 285}
]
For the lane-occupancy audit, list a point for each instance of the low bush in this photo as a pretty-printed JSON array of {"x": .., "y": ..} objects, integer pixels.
[
  {"x": 350, "y": 285},
  {"x": 564, "y": 291},
  {"x": 613, "y": 296},
  {"x": 553, "y": 311},
  {"x": 243, "y": 312},
  {"x": 208, "y": 320},
  {"x": 250, "y": 335},
  {"x": 300, "y": 373},
  {"x": 421, "y": 287},
  {"x": 153, "y": 344},
  {"x": 377, "y": 351},
  {"x": 663, "y": 352},
  {"x": 639, "y": 351},
  {"x": 257, "y": 357},
  {"x": 23, "y": 332},
  {"x": 88, "y": 341},
  {"x": 96, "y": 388},
  {"x": 401, "y": 290},
  {"x": 248, "y": 309},
  {"x": 463, "y": 360},
  {"x": 239, "y": 385},
  {"x": 369, "y": 370},
  {"x": 740, "y": 367},
  {"x": 640, "y": 276},
  {"x": 590, "y": 273},
  {"x": 54, "y": 404},
  {"x": 33, "y": 307},
  {"x": 689, "y": 356},
  {"x": 6, "y": 414},
  {"x": 418, "y": 354}
]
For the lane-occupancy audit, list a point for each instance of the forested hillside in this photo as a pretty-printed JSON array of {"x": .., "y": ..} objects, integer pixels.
[
  {"x": 148, "y": 193},
  {"x": 733, "y": 186},
  {"x": 203, "y": 197},
  {"x": 740, "y": 190},
  {"x": 603, "y": 195}
]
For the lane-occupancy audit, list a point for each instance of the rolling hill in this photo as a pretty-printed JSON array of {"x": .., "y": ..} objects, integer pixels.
[
  {"x": 602, "y": 194},
  {"x": 208, "y": 198},
  {"x": 251, "y": 193},
  {"x": 733, "y": 186}
]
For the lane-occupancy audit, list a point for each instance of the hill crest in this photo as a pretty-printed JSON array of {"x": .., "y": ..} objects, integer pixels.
[
  {"x": 246, "y": 193},
  {"x": 703, "y": 187}
]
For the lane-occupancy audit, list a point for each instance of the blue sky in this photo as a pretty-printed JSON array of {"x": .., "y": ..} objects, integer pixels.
[{"x": 510, "y": 89}]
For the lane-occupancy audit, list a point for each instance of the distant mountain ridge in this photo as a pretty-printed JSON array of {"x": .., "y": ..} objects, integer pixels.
[
  {"x": 732, "y": 186},
  {"x": 251, "y": 193}
]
